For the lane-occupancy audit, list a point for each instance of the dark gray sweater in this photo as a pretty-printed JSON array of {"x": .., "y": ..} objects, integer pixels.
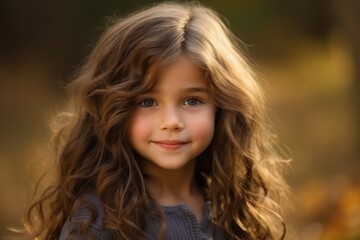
[{"x": 182, "y": 223}]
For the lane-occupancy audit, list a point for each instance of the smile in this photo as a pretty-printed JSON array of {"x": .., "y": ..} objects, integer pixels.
[{"x": 170, "y": 145}]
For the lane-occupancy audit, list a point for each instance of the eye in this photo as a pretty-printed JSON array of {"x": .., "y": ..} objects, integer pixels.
[
  {"x": 193, "y": 101},
  {"x": 147, "y": 103}
]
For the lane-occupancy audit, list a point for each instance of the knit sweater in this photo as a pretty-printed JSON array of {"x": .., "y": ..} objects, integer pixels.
[{"x": 182, "y": 223}]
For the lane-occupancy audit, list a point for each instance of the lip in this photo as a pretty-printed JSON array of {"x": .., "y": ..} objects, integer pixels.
[{"x": 171, "y": 144}]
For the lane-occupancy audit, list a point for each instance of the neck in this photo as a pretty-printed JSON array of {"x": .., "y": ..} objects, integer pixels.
[{"x": 171, "y": 187}]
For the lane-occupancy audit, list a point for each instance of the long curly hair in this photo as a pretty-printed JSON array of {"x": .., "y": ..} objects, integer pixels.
[{"x": 240, "y": 171}]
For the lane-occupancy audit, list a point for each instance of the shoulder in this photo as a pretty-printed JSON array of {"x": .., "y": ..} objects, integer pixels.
[{"x": 87, "y": 209}]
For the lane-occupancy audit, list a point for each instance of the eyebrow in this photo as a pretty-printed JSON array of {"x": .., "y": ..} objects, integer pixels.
[
  {"x": 186, "y": 90},
  {"x": 195, "y": 89}
]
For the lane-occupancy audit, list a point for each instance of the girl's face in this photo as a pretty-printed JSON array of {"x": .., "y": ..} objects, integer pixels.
[{"x": 174, "y": 122}]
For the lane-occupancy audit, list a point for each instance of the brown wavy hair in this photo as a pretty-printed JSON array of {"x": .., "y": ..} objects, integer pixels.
[{"x": 240, "y": 170}]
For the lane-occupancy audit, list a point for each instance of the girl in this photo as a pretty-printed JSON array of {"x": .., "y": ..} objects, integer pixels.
[{"x": 165, "y": 138}]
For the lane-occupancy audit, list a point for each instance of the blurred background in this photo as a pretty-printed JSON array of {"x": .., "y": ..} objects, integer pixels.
[{"x": 307, "y": 50}]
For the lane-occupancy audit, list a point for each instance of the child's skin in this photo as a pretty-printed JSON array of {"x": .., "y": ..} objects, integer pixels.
[{"x": 172, "y": 125}]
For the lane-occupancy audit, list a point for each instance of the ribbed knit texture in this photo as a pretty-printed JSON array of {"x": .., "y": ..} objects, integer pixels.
[{"x": 182, "y": 224}]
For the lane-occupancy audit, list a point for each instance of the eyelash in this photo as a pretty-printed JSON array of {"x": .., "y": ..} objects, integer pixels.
[
  {"x": 142, "y": 102},
  {"x": 199, "y": 102}
]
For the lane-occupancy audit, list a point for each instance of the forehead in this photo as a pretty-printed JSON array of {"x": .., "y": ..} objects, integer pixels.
[
  {"x": 181, "y": 72},
  {"x": 173, "y": 73}
]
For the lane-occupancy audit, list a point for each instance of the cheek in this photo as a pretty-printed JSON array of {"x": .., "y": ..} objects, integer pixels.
[
  {"x": 205, "y": 130},
  {"x": 203, "y": 127},
  {"x": 138, "y": 128}
]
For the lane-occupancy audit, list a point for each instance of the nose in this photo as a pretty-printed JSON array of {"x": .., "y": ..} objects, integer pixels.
[{"x": 171, "y": 119}]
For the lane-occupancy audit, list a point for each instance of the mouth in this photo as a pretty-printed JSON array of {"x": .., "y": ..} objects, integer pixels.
[{"x": 170, "y": 144}]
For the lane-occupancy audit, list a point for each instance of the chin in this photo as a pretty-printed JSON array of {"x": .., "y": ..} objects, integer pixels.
[{"x": 171, "y": 166}]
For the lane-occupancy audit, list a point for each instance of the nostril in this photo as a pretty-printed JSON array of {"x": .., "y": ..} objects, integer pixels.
[{"x": 172, "y": 126}]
